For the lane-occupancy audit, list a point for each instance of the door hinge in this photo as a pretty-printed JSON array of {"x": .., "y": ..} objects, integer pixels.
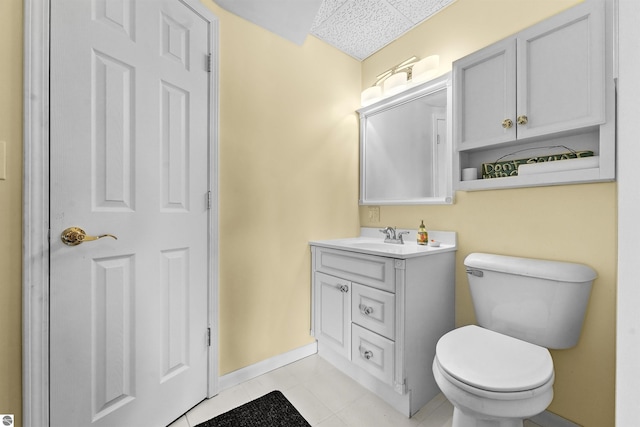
[
  {"x": 208, "y": 337},
  {"x": 209, "y": 200},
  {"x": 209, "y": 63}
]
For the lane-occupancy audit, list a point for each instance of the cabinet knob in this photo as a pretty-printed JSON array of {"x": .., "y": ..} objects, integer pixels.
[
  {"x": 343, "y": 288},
  {"x": 367, "y": 354},
  {"x": 523, "y": 120},
  {"x": 365, "y": 309},
  {"x": 507, "y": 123}
]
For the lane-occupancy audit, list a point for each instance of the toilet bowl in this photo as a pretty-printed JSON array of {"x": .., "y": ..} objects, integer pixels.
[
  {"x": 492, "y": 379},
  {"x": 501, "y": 372}
]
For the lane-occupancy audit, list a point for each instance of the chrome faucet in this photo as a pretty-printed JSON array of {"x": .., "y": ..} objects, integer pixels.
[
  {"x": 392, "y": 237},
  {"x": 390, "y": 232}
]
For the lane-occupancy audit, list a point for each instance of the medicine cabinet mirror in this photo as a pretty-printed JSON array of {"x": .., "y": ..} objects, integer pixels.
[{"x": 405, "y": 147}]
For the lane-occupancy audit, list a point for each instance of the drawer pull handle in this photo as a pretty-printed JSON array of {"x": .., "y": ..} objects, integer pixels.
[
  {"x": 367, "y": 354},
  {"x": 343, "y": 288},
  {"x": 365, "y": 310}
]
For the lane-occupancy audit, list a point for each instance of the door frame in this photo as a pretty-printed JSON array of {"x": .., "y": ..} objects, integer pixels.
[{"x": 35, "y": 203}]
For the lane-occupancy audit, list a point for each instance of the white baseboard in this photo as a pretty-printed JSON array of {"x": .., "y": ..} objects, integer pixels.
[
  {"x": 252, "y": 371},
  {"x": 549, "y": 419}
]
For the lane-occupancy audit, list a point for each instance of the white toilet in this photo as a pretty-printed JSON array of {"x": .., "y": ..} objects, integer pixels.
[{"x": 500, "y": 373}]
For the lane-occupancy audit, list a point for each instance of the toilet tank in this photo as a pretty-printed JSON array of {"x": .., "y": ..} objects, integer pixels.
[{"x": 542, "y": 302}]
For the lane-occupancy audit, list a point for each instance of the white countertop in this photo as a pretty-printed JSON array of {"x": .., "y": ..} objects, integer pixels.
[{"x": 371, "y": 242}]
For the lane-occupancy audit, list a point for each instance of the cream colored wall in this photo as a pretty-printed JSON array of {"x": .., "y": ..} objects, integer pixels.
[
  {"x": 288, "y": 174},
  {"x": 573, "y": 223},
  {"x": 10, "y": 211}
]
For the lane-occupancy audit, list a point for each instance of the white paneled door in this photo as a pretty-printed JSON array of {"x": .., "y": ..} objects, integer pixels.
[{"x": 129, "y": 154}]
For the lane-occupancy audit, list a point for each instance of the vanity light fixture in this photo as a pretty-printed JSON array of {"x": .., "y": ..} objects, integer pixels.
[
  {"x": 401, "y": 77},
  {"x": 425, "y": 69},
  {"x": 395, "y": 83},
  {"x": 405, "y": 66},
  {"x": 370, "y": 95}
]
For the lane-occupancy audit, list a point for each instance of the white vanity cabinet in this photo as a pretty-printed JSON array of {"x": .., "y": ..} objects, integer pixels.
[
  {"x": 378, "y": 318},
  {"x": 545, "y": 86},
  {"x": 334, "y": 312}
]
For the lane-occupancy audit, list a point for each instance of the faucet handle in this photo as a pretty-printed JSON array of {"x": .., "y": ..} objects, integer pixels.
[
  {"x": 387, "y": 232},
  {"x": 400, "y": 236}
]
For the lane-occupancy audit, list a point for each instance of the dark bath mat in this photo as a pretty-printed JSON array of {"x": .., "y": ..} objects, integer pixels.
[{"x": 270, "y": 410}]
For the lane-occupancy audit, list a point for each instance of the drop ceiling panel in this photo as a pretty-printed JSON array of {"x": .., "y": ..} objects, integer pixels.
[
  {"x": 361, "y": 27},
  {"x": 357, "y": 27},
  {"x": 419, "y": 10},
  {"x": 327, "y": 8}
]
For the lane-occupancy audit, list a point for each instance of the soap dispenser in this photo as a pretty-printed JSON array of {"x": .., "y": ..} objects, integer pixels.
[{"x": 423, "y": 236}]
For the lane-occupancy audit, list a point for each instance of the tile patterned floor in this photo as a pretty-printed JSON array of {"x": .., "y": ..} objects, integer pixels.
[{"x": 325, "y": 397}]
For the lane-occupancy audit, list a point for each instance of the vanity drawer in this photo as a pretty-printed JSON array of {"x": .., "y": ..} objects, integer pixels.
[
  {"x": 374, "y": 309},
  {"x": 371, "y": 270},
  {"x": 373, "y": 353}
]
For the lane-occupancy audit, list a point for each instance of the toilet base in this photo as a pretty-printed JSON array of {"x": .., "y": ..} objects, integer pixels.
[
  {"x": 474, "y": 407},
  {"x": 460, "y": 419}
]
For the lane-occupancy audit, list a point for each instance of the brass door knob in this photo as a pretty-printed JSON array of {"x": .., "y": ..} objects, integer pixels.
[
  {"x": 507, "y": 123},
  {"x": 73, "y": 236},
  {"x": 523, "y": 120}
]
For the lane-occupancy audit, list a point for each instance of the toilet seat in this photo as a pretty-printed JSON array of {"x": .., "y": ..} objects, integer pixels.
[{"x": 494, "y": 362}]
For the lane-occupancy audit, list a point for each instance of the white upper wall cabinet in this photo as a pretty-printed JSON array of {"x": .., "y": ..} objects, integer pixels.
[
  {"x": 561, "y": 73},
  {"x": 546, "y": 90},
  {"x": 485, "y": 96}
]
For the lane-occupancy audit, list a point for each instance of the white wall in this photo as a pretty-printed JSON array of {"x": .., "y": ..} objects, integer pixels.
[{"x": 628, "y": 324}]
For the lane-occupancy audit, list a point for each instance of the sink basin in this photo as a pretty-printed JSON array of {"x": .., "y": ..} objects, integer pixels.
[{"x": 378, "y": 247}]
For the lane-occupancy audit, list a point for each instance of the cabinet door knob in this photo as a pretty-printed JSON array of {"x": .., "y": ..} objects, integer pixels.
[
  {"x": 365, "y": 310},
  {"x": 523, "y": 120},
  {"x": 507, "y": 123},
  {"x": 343, "y": 288},
  {"x": 367, "y": 354}
]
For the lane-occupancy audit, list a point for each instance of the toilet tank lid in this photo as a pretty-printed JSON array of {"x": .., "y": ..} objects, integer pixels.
[{"x": 544, "y": 269}]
